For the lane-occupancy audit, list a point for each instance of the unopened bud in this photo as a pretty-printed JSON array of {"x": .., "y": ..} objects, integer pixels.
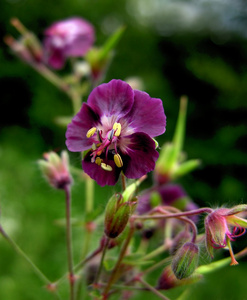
[
  {"x": 117, "y": 215},
  {"x": 168, "y": 280},
  {"x": 56, "y": 169},
  {"x": 185, "y": 260}
]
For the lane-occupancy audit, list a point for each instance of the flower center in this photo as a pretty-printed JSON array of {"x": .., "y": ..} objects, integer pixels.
[{"x": 104, "y": 144}]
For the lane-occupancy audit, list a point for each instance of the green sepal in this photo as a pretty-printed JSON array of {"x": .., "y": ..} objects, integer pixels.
[{"x": 186, "y": 167}]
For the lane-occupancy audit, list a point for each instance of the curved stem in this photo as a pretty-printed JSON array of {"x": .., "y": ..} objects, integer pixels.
[
  {"x": 181, "y": 214},
  {"x": 193, "y": 227}
]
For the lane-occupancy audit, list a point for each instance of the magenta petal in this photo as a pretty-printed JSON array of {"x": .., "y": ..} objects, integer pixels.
[
  {"x": 76, "y": 139},
  {"x": 140, "y": 155},
  {"x": 101, "y": 176},
  {"x": 147, "y": 115},
  {"x": 113, "y": 98}
]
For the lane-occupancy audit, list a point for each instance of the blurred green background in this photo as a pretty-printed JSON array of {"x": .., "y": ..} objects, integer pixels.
[{"x": 193, "y": 48}]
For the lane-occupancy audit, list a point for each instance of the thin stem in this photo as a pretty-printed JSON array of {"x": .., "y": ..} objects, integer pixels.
[
  {"x": 69, "y": 241},
  {"x": 164, "y": 209},
  {"x": 101, "y": 261},
  {"x": 89, "y": 204},
  {"x": 76, "y": 100},
  {"x": 19, "y": 251},
  {"x": 152, "y": 289},
  {"x": 182, "y": 214},
  {"x": 155, "y": 252},
  {"x": 52, "y": 77},
  {"x": 157, "y": 265},
  {"x": 89, "y": 194},
  {"x": 80, "y": 265},
  {"x": 193, "y": 227},
  {"x": 114, "y": 273}
]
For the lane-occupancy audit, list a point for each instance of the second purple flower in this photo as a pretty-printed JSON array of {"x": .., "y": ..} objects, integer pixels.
[
  {"x": 117, "y": 125},
  {"x": 67, "y": 38}
]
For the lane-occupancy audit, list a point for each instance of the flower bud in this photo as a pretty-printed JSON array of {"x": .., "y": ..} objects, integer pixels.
[
  {"x": 168, "y": 280},
  {"x": 56, "y": 169},
  {"x": 116, "y": 215},
  {"x": 185, "y": 260}
]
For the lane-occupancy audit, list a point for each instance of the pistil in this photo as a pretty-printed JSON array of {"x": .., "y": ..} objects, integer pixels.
[{"x": 103, "y": 144}]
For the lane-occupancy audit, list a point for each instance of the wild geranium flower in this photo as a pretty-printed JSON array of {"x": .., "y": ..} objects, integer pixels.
[
  {"x": 117, "y": 125},
  {"x": 67, "y": 38},
  {"x": 223, "y": 226},
  {"x": 166, "y": 194}
]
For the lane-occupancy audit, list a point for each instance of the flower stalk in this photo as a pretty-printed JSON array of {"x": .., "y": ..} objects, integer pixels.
[
  {"x": 20, "y": 252},
  {"x": 114, "y": 274},
  {"x": 69, "y": 241}
]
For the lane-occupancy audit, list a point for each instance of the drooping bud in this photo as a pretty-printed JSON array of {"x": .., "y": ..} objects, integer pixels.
[
  {"x": 56, "y": 169},
  {"x": 168, "y": 280},
  {"x": 216, "y": 230},
  {"x": 185, "y": 260},
  {"x": 116, "y": 215}
]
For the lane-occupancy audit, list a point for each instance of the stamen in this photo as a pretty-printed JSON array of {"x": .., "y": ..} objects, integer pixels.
[
  {"x": 91, "y": 132},
  {"x": 118, "y": 160},
  {"x": 98, "y": 161},
  {"x": 106, "y": 167},
  {"x": 117, "y": 128},
  {"x": 94, "y": 146}
]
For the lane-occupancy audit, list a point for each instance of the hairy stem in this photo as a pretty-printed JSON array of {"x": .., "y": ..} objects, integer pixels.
[{"x": 174, "y": 215}]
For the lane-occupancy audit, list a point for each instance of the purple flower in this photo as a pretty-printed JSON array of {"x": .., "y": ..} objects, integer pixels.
[
  {"x": 167, "y": 194},
  {"x": 117, "y": 125},
  {"x": 68, "y": 38},
  {"x": 222, "y": 225}
]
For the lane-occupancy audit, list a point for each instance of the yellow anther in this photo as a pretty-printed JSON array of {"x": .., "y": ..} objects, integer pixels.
[
  {"x": 98, "y": 161},
  {"x": 94, "y": 146},
  {"x": 106, "y": 167},
  {"x": 118, "y": 160},
  {"x": 91, "y": 132},
  {"x": 117, "y": 127}
]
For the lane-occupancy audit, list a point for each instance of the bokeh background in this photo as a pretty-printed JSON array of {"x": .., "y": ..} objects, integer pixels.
[{"x": 194, "y": 48}]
